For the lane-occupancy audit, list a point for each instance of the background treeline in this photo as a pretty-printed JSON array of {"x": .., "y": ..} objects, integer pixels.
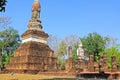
[{"x": 92, "y": 43}]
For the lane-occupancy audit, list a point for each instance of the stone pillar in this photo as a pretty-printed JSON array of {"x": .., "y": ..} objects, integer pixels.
[
  {"x": 118, "y": 76},
  {"x": 96, "y": 66},
  {"x": 101, "y": 64},
  {"x": 91, "y": 63},
  {"x": 105, "y": 62},
  {"x": 110, "y": 77},
  {"x": 70, "y": 51},
  {"x": 69, "y": 64},
  {"x": 114, "y": 64}
]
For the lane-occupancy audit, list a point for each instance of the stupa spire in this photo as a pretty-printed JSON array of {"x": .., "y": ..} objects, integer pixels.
[
  {"x": 35, "y": 32},
  {"x": 36, "y": 0},
  {"x": 35, "y": 22}
]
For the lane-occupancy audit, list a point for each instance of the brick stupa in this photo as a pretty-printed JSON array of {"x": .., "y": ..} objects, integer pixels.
[{"x": 33, "y": 55}]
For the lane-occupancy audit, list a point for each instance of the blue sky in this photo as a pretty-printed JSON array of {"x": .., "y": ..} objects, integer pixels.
[{"x": 66, "y": 17}]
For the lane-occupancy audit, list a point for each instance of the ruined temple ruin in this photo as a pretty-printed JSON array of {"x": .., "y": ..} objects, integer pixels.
[
  {"x": 34, "y": 55},
  {"x": 91, "y": 69}
]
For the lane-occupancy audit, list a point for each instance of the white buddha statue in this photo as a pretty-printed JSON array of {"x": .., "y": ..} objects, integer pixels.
[{"x": 80, "y": 52}]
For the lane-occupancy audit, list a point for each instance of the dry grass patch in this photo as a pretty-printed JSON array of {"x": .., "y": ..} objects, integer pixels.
[{"x": 24, "y": 77}]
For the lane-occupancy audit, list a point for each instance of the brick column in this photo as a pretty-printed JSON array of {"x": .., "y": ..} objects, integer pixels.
[
  {"x": 105, "y": 62},
  {"x": 91, "y": 63},
  {"x": 114, "y": 64}
]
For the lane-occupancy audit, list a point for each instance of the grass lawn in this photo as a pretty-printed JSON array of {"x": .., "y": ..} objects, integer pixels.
[
  {"x": 27, "y": 77},
  {"x": 24, "y": 77}
]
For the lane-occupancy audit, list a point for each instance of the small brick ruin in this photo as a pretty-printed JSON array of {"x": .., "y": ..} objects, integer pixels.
[
  {"x": 92, "y": 68},
  {"x": 33, "y": 55},
  {"x": 91, "y": 65}
]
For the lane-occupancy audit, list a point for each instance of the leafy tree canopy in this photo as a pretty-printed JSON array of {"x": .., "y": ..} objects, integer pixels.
[
  {"x": 9, "y": 40},
  {"x": 93, "y": 43}
]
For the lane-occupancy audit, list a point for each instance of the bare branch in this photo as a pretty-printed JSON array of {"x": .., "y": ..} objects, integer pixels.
[{"x": 4, "y": 22}]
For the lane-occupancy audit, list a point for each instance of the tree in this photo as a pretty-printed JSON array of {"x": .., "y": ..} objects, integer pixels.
[
  {"x": 61, "y": 53},
  {"x": 62, "y": 49},
  {"x": 74, "y": 52},
  {"x": 2, "y": 5},
  {"x": 53, "y": 42},
  {"x": 111, "y": 52},
  {"x": 9, "y": 41},
  {"x": 5, "y": 60},
  {"x": 110, "y": 41},
  {"x": 94, "y": 43},
  {"x": 71, "y": 40},
  {"x": 4, "y": 23},
  {"x": 117, "y": 46}
]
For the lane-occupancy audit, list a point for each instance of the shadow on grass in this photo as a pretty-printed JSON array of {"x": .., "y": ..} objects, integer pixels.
[
  {"x": 63, "y": 79},
  {"x": 53, "y": 79}
]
